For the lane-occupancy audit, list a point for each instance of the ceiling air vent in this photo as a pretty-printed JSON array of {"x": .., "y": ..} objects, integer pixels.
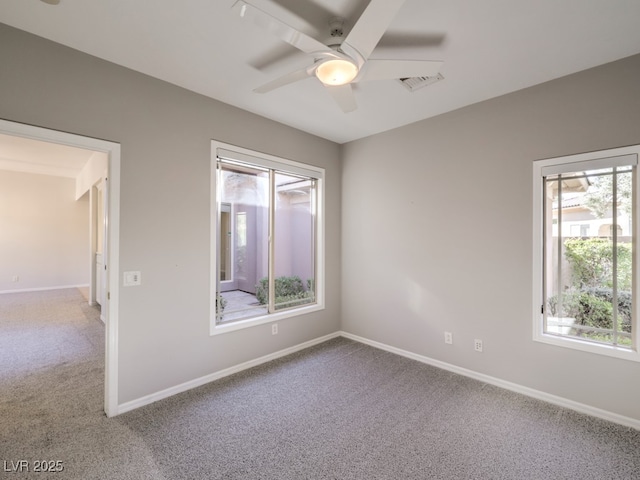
[{"x": 415, "y": 83}]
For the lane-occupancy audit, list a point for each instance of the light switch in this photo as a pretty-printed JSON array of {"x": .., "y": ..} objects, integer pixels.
[{"x": 132, "y": 279}]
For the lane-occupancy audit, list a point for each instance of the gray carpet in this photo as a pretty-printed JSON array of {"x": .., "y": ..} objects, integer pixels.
[
  {"x": 339, "y": 410},
  {"x": 52, "y": 392}
]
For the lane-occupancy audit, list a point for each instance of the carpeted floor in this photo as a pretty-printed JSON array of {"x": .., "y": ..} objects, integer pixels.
[
  {"x": 339, "y": 410},
  {"x": 52, "y": 393}
]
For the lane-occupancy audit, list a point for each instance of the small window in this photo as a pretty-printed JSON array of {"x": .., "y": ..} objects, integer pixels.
[
  {"x": 585, "y": 224},
  {"x": 267, "y": 238}
]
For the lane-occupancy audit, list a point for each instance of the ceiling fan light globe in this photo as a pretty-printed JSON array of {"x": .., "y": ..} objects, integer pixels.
[{"x": 336, "y": 72}]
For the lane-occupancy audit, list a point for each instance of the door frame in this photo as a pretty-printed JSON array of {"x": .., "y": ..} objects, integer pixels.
[
  {"x": 98, "y": 215},
  {"x": 112, "y": 247}
]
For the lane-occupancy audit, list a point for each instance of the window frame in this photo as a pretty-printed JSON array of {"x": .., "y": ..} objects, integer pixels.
[
  {"x": 264, "y": 160},
  {"x": 539, "y": 335}
]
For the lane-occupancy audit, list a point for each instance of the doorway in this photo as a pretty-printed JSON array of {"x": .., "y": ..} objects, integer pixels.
[{"x": 110, "y": 240}]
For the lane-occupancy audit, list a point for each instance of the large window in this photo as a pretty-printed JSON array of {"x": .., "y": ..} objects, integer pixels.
[
  {"x": 585, "y": 271},
  {"x": 267, "y": 238}
]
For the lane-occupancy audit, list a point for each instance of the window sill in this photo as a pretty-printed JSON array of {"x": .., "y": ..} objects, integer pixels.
[
  {"x": 261, "y": 320},
  {"x": 599, "y": 349}
]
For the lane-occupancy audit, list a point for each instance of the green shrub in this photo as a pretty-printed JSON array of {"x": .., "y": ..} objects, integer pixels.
[
  {"x": 593, "y": 311},
  {"x": 624, "y": 304},
  {"x": 294, "y": 300},
  {"x": 290, "y": 292},
  {"x": 221, "y": 303},
  {"x": 569, "y": 304},
  {"x": 591, "y": 261},
  {"x": 593, "y": 307},
  {"x": 590, "y": 299}
]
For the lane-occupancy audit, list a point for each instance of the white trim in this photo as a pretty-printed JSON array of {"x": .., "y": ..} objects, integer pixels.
[
  {"x": 113, "y": 281},
  {"x": 570, "y": 164},
  {"x": 113, "y": 253},
  {"x": 231, "y": 152},
  {"x": 585, "y": 346},
  {"x": 213, "y": 237},
  {"x": 589, "y": 156},
  {"x": 597, "y": 159},
  {"x": 267, "y": 161},
  {"x": 514, "y": 387},
  {"x": 261, "y": 320},
  {"x": 198, "y": 382},
  {"x": 42, "y": 289}
]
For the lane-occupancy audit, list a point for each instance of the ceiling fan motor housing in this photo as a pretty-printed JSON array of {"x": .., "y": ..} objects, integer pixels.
[{"x": 336, "y": 27}]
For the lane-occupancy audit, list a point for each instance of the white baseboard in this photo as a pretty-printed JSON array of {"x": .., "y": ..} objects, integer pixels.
[
  {"x": 41, "y": 289},
  {"x": 514, "y": 387},
  {"x": 183, "y": 387}
]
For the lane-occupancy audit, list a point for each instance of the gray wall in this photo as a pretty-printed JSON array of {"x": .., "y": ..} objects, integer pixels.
[
  {"x": 44, "y": 232},
  {"x": 165, "y": 134},
  {"x": 446, "y": 208}
]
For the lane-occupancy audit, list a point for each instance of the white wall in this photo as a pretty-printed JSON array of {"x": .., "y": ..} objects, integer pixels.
[
  {"x": 437, "y": 226},
  {"x": 44, "y": 232},
  {"x": 165, "y": 135},
  {"x": 94, "y": 170}
]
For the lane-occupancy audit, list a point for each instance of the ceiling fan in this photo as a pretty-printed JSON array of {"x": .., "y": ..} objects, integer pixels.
[{"x": 340, "y": 64}]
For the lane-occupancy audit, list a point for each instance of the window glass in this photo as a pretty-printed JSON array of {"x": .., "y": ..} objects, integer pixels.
[
  {"x": 266, "y": 238},
  {"x": 589, "y": 278},
  {"x": 588, "y": 260},
  {"x": 243, "y": 213},
  {"x": 294, "y": 241}
]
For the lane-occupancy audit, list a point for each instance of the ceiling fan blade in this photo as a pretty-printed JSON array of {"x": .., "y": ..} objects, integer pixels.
[
  {"x": 278, "y": 28},
  {"x": 392, "y": 69},
  {"x": 413, "y": 40},
  {"x": 275, "y": 58},
  {"x": 285, "y": 80},
  {"x": 343, "y": 95},
  {"x": 368, "y": 30}
]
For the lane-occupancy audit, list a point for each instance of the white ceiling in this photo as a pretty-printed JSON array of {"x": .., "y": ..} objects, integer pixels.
[
  {"x": 33, "y": 156},
  {"x": 489, "y": 48}
]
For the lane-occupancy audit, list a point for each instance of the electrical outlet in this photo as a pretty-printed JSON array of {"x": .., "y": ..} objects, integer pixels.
[
  {"x": 477, "y": 345},
  {"x": 132, "y": 279},
  {"x": 448, "y": 338},
  {"x": 274, "y": 329},
  {"x": 15, "y": 278}
]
